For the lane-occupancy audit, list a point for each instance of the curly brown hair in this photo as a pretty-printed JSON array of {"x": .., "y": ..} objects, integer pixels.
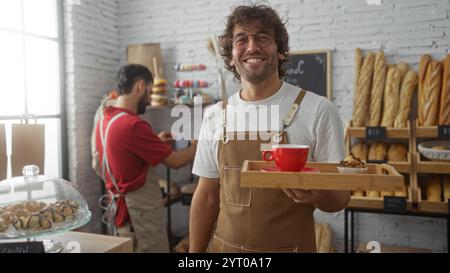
[{"x": 267, "y": 18}]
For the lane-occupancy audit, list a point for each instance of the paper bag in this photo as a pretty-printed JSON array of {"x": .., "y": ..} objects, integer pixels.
[
  {"x": 144, "y": 54},
  {"x": 3, "y": 157},
  {"x": 28, "y": 147}
]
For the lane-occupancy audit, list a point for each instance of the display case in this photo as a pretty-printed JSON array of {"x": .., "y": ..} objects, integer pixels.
[{"x": 36, "y": 205}]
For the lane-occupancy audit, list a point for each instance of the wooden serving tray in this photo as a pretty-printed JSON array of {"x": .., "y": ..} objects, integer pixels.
[{"x": 380, "y": 177}]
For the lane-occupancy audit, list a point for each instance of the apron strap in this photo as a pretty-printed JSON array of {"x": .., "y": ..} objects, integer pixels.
[
  {"x": 225, "y": 138},
  {"x": 105, "y": 163},
  {"x": 107, "y": 201}
]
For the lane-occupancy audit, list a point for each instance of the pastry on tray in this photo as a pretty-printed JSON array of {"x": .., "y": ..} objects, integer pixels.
[{"x": 352, "y": 165}]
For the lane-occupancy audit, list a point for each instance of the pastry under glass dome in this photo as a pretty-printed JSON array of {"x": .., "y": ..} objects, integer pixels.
[{"x": 36, "y": 205}]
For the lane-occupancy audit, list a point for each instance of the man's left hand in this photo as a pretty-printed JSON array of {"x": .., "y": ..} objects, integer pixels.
[
  {"x": 303, "y": 196},
  {"x": 166, "y": 137}
]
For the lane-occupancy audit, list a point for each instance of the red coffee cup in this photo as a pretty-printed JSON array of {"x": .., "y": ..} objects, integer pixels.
[{"x": 288, "y": 157}]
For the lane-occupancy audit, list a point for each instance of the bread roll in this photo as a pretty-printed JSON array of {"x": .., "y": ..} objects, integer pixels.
[
  {"x": 446, "y": 186},
  {"x": 391, "y": 97},
  {"x": 444, "y": 112},
  {"x": 373, "y": 194},
  {"x": 360, "y": 150},
  {"x": 376, "y": 95},
  {"x": 362, "y": 97},
  {"x": 397, "y": 152},
  {"x": 407, "y": 88},
  {"x": 430, "y": 94},
  {"x": 434, "y": 188},
  {"x": 377, "y": 151}
]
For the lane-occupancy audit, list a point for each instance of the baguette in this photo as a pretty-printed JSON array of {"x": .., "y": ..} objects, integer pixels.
[
  {"x": 423, "y": 66},
  {"x": 391, "y": 97},
  {"x": 430, "y": 94},
  {"x": 434, "y": 189},
  {"x": 446, "y": 186},
  {"x": 406, "y": 93},
  {"x": 444, "y": 112},
  {"x": 403, "y": 68},
  {"x": 376, "y": 95},
  {"x": 358, "y": 64},
  {"x": 362, "y": 97}
]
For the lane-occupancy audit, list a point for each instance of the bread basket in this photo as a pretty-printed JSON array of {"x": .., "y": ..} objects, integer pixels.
[{"x": 435, "y": 150}]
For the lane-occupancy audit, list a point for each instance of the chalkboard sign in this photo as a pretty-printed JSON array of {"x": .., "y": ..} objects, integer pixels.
[
  {"x": 28, "y": 247},
  {"x": 310, "y": 70}
]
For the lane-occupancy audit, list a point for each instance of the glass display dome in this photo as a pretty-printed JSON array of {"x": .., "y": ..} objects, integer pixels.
[{"x": 36, "y": 205}]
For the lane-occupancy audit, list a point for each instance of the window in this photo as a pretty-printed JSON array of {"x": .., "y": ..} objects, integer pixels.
[{"x": 31, "y": 73}]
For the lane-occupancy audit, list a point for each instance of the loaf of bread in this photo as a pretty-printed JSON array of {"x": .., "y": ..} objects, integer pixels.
[
  {"x": 376, "y": 95},
  {"x": 391, "y": 97},
  {"x": 423, "y": 66},
  {"x": 407, "y": 88},
  {"x": 373, "y": 194},
  {"x": 444, "y": 112},
  {"x": 434, "y": 188},
  {"x": 397, "y": 152},
  {"x": 429, "y": 105},
  {"x": 362, "y": 97},
  {"x": 377, "y": 151},
  {"x": 446, "y": 186},
  {"x": 360, "y": 150}
]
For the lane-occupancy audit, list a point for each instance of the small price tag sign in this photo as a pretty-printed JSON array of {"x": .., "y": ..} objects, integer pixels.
[
  {"x": 377, "y": 161},
  {"x": 395, "y": 204},
  {"x": 444, "y": 131},
  {"x": 375, "y": 133},
  {"x": 28, "y": 247}
]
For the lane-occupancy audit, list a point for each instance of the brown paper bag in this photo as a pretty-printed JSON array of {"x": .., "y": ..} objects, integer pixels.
[
  {"x": 144, "y": 54},
  {"x": 3, "y": 157},
  {"x": 28, "y": 147}
]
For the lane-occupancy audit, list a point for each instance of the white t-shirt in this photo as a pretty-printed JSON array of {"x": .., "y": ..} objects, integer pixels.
[{"x": 316, "y": 124}]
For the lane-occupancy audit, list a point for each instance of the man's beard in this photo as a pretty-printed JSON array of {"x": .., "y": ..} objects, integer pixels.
[
  {"x": 142, "y": 105},
  {"x": 270, "y": 68}
]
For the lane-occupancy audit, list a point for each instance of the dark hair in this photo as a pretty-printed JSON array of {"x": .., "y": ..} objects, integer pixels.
[
  {"x": 129, "y": 74},
  {"x": 267, "y": 18}
]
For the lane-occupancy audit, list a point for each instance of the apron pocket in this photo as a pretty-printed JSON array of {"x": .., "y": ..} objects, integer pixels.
[{"x": 234, "y": 194}]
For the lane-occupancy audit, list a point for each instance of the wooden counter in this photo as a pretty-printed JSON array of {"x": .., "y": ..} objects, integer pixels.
[{"x": 92, "y": 243}]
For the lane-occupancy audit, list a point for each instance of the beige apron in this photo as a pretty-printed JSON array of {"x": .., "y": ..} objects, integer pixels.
[
  {"x": 252, "y": 219},
  {"x": 147, "y": 214}
]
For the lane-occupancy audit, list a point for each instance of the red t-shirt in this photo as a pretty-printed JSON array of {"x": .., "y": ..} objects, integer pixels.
[{"x": 131, "y": 147}]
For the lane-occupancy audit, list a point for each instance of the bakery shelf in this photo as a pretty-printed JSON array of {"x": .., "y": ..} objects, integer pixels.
[
  {"x": 398, "y": 133},
  {"x": 437, "y": 167},
  {"x": 375, "y": 202},
  {"x": 430, "y": 206},
  {"x": 426, "y": 131},
  {"x": 379, "y": 177}
]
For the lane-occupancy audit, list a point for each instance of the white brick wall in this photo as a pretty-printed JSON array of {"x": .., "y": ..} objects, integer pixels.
[
  {"x": 404, "y": 29},
  {"x": 92, "y": 58}
]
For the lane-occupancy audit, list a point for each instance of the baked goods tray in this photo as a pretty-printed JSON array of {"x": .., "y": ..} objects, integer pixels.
[{"x": 382, "y": 177}]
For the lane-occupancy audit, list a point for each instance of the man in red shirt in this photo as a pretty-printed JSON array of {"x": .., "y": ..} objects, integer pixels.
[{"x": 132, "y": 149}]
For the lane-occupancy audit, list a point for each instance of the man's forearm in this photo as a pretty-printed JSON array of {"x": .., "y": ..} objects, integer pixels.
[
  {"x": 202, "y": 219},
  {"x": 333, "y": 201}
]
